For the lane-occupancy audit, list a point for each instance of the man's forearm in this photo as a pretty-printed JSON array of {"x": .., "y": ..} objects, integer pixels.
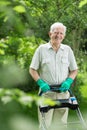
[
  {"x": 73, "y": 74},
  {"x": 34, "y": 74}
]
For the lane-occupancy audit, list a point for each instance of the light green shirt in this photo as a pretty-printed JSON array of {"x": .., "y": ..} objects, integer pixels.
[{"x": 53, "y": 67}]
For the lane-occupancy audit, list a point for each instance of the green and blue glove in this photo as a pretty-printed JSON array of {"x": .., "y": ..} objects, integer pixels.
[
  {"x": 66, "y": 85},
  {"x": 43, "y": 85}
]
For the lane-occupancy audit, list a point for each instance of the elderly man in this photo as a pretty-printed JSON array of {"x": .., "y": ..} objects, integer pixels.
[{"x": 54, "y": 63}]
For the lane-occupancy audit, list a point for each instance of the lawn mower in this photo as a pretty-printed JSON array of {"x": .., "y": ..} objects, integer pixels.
[{"x": 70, "y": 103}]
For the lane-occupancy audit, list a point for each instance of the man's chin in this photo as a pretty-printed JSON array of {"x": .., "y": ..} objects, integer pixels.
[{"x": 57, "y": 41}]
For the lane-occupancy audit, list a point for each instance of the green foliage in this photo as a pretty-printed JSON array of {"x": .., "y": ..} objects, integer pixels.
[
  {"x": 11, "y": 22},
  {"x": 24, "y": 25},
  {"x": 19, "y": 51},
  {"x": 81, "y": 77},
  {"x": 31, "y": 17},
  {"x": 26, "y": 51},
  {"x": 11, "y": 75},
  {"x": 25, "y": 99}
]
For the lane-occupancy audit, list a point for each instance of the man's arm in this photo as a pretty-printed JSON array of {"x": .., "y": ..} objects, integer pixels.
[
  {"x": 68, "y": 82},
  {"x": 73, "y": 74},
  {"x": 34, "y": 74},
  {"x": 42, "y": 84}
]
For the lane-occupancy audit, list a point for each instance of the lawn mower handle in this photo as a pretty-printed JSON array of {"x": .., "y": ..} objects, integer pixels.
[{"x": 53, "y": 87}]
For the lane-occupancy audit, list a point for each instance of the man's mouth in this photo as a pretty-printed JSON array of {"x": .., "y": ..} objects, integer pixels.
[{"x": 56, "y": 38}]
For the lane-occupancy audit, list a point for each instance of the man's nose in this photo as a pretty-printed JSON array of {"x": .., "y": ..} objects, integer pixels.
[{"x": 58, "y": 34}]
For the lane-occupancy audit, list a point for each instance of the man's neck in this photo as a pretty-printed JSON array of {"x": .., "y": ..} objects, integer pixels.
[{"x": 55, "y": 46}]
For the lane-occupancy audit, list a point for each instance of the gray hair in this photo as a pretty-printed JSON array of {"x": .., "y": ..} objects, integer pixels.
[{"x": 56, "y": 25}]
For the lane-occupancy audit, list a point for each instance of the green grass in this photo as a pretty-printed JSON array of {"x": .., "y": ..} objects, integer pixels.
[
  {"x": 84, "y": 91},
  {"x": 82, "y": 106},
  {"x": 13, "y": 115}
]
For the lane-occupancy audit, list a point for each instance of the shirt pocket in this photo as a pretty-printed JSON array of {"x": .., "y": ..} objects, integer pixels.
[
  {"x": 45, "y": 61},
  {"x": 64, "y": 66},
  {"x": 45, "y": 65},
  {"x": 64, "y": 60}
]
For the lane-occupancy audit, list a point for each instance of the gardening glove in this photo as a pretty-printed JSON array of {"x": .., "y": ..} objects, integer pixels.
[
  {"x": 66, "y": 85},
  {"x": 43, "y": 85}
]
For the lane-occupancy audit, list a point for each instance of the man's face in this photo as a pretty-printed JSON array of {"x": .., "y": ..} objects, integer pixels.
[{"x": 57, "y": 35}]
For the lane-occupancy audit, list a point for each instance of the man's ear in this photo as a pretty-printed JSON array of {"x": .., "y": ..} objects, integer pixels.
[
  {"x": 49, "y": 33},
  {"x": 64, "y": 36}
]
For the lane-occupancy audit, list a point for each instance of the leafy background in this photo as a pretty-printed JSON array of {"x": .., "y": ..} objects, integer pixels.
[{"x": 24, "y": 25}]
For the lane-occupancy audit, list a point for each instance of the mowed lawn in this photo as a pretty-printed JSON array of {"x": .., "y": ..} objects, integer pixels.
[
  {"x": 73, "y": 118},
  {"x": 83, "y": 104}
]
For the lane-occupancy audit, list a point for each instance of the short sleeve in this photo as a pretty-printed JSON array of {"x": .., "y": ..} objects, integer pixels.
[
  {"x": 35, "y": 60},
  {"x": 72, "y": 61}
]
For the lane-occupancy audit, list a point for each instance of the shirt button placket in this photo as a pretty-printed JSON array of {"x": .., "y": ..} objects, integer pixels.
[{"x": 56, "y": 69}]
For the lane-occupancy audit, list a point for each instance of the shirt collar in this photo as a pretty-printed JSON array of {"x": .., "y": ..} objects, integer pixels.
[{"x": 50, "y": 46}]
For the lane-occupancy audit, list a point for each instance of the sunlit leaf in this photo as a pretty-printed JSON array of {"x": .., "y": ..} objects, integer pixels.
[
  {"x": 2, "y": 52},
  {"x": 5, "y": 19},
  {"x": 19, "y": 9},
  {"x": 3, "y": 45},
  {"x": 82, "y": 3},
  {"x": 25, "y": 100},
  {"x": 45, "y": 101},
  {"x": 6, "y": 99}
]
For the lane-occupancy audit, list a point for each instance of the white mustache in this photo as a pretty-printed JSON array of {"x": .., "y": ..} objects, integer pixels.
[{"x": 57, "y": 38}]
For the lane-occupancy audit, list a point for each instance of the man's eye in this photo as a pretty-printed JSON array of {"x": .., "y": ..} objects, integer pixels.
[{"x": 55, "y": 32}]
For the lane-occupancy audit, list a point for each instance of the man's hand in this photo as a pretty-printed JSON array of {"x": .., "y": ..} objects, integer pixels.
[
  {"x": 66, "y": 85},
  {"x": 43, "y": 85}
]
